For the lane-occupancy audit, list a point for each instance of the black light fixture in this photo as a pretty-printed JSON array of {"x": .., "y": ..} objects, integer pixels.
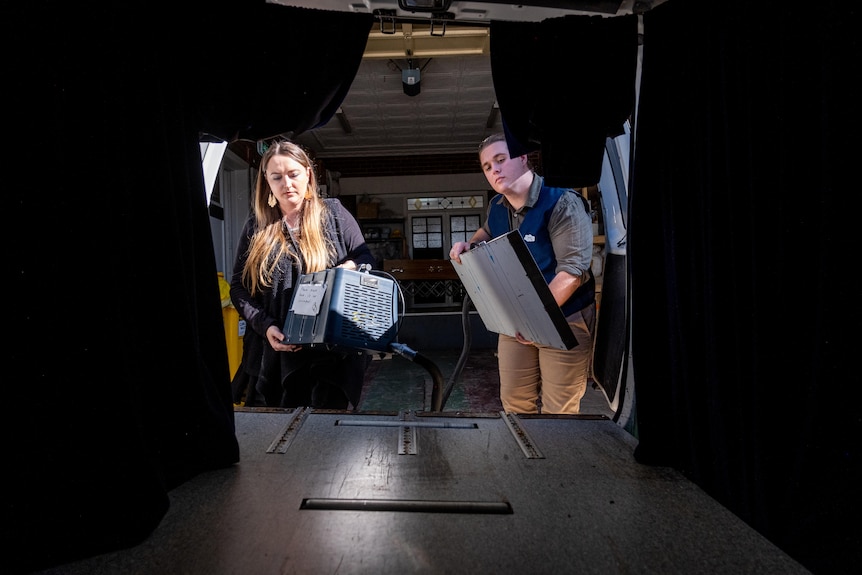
[
  {"x": 424, "y": 5},
  {"x": 410, "y": 81}
]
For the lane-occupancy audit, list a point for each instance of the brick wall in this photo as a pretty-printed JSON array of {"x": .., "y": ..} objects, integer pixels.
[
  {"x": 388, "y": 165},
  {"x": 410, "y": 165},
  {"x": 403, "y": 165}
]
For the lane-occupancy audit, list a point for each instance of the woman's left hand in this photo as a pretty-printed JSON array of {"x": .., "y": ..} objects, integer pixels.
[{"x": 276, "y": 339}]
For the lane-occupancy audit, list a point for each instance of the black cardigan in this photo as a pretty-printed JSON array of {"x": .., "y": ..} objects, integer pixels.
[{"x": 265, "y": 369}]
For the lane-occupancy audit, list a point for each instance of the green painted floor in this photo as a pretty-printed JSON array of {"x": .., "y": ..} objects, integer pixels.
[{"x": 396, "y": 383}]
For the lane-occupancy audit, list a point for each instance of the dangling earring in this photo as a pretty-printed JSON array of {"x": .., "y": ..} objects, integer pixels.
[{"x": 271, "y": 200}]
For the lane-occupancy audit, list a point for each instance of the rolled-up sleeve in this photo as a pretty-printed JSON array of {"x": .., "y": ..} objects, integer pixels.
[{"x": 571, "y": 231}]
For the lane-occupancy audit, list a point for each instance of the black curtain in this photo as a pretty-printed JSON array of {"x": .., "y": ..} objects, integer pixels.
[
  {"x": 117, "y": 373},
  {"x": 745, "y": 302},
  {"x": 564, "y": 85},
  {"x": 297, "y": 66}
]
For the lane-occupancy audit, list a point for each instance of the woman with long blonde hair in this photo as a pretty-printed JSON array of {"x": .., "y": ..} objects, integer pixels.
[{"x": 292, "y": 231}]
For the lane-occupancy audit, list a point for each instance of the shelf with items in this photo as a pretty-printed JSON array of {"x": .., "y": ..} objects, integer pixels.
[
  {"x": 382, "y": 229},
  {"x": 387, "y": 250},
  {"x": 385, "y": 238},
  {"x": 391, "y": 223}
]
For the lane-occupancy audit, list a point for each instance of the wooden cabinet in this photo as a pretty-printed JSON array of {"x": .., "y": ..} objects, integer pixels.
[
  {"x": 402, "y": 269},
  {"x": 427, "y": 284}
]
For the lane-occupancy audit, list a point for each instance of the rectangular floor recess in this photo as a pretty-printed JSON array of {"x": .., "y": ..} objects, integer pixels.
[{"x": 410, "y": 505}]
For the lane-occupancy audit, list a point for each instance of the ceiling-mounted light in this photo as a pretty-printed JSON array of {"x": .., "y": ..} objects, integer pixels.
[
  {"x": 424, "y": 5},
  {"x": 492, "y": 116},
  {"x": 342, "y": 119}
]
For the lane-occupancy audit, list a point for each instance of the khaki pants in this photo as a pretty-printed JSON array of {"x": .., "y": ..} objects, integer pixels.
[{"x": 539, "y": 379}]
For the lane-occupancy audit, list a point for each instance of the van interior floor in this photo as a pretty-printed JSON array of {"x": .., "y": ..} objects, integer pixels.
[{"x": 411, "y": 492}]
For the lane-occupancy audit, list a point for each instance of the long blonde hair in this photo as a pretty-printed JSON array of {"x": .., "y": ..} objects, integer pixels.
[{"x": 271, "y": 240}]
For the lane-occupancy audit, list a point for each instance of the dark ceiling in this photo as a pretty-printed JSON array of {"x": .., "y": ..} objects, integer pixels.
[{"x": 455, "y": 107}]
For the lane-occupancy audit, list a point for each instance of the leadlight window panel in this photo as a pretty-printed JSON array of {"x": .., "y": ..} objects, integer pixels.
[
  {"x": 462, "y": 228},
  {"x": 427, "y": 232},
  {"x": 446, "y": 203}
]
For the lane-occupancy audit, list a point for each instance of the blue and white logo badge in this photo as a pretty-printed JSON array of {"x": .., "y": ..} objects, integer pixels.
[{"x": 529, "y": 238}]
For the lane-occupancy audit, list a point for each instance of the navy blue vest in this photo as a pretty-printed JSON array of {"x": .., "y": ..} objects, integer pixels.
[{"x": 535, "y": 223}]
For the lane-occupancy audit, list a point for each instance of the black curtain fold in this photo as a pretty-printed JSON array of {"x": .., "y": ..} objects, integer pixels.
[
  {"x": 745, "y": 310},
  {"x": 120, "y": 388},
  {"x": 292, "y": 69},
  {"x": 563, "y": 86}
]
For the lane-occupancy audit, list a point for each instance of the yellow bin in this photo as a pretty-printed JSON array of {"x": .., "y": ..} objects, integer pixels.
[
  {"x": 234, "y": 327},
  {"x": 234, "y": 330}
]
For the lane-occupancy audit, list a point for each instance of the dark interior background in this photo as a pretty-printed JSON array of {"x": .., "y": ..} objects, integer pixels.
[{"x": 744, "y": 303}]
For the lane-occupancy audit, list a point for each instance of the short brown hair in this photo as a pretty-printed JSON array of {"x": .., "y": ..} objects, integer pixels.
[{"x": 493, "y": 138}]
